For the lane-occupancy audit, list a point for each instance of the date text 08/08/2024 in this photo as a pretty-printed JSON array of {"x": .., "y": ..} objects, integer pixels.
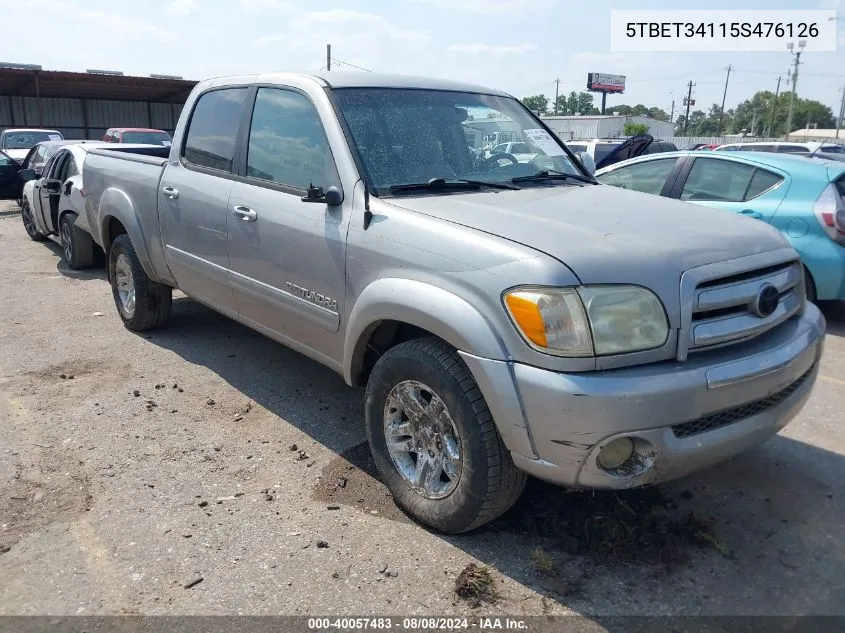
[{"x": 722, "y": 29}]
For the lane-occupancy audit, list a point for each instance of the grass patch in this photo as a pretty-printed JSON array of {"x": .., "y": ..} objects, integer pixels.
[{"x": 476, "y": 586}]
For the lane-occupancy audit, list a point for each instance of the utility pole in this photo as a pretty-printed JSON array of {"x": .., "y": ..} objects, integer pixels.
[
  {"x": 557, "y": 90},
  {"x": 724, "y": 94},
  {"x": 328, "y": 56},
  {"x": 841, "y": 112},
  {"x": 753, "y": 119},
  {"x": 688, "y": 104},
  {"x": 774, "y": 109},
  {"x": 672, "y": 113},
  {"x": 790, "y": 47}
]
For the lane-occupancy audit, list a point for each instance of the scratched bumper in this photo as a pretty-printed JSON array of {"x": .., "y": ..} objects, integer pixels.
[{"x": 570, "y": 417}]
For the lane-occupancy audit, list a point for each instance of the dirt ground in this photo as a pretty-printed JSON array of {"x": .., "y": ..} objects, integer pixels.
[{"x": 203, "y": 469}]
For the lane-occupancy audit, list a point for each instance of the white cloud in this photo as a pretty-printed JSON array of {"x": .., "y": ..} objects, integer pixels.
[
  {"x": 183, "y": 7},
  {"x": 493, "y": 50},
  {"x": 264, "y": 5}
]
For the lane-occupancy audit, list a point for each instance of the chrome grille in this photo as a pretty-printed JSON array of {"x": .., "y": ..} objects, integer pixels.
[
  {"x": 737, "y": 414},
  {"x": 723, "y": 310}
]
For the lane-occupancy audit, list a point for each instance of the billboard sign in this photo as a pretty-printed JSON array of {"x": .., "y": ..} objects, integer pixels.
[{"x": 600, "y": 82}]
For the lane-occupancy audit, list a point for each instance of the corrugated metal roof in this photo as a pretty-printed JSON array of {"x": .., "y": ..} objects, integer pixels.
[{"x": 16, "y": 82}]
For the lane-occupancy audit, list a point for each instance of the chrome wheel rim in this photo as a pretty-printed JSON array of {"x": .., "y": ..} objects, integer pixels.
[
  {"x": 28, "y": 220},
  {"x": 125, "y": 284},
  {"x": 67, "y": 245},
  {"x": 422, "y": 439}
]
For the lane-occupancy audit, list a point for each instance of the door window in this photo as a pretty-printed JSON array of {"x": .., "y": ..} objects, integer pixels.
[
  {"x": 717, "y": 180},
  {"x": 287, "y": 144},
  {"x": 648, "y": 176},
  {"x": 793, "y": 149},
  {"x": 213, "y": 129},
  {"x": 5, "y": 161}
]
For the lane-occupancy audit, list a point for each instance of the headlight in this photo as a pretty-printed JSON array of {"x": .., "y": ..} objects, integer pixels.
[{"x": 589, "y": 320}]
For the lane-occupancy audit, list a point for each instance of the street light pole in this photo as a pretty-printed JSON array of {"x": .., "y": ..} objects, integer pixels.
[
  {"x": 790, "y": 47},
  {"x": 841, "y": 113}
]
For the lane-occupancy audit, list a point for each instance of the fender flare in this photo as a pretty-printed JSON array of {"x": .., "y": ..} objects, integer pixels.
[
  {"x": 116, "y": 204},
  {"x": 423, "y": 305}
]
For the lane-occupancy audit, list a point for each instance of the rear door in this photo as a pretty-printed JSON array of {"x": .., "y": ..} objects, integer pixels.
[
  {"x": 11, "y": 185},
  {"x": 194, "y": 194},
  {"x": 744, "y": 188}
]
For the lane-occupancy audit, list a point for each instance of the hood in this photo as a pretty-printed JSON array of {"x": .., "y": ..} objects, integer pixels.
[
  {"x": 605, "y": 234},
  {"x": 16, "y": 154},
  {"x": 631, "y": 148}
]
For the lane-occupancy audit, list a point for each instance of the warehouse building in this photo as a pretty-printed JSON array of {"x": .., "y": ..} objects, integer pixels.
[
  {"x": 85, "y": 105},
  {"x": 570, "y": 128}
]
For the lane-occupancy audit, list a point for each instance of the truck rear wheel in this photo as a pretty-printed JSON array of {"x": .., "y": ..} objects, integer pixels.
[
  {"x": 142, "y": 304},
  {"x": 434, "y": 441},
  {"x": 77, "y": 245}
]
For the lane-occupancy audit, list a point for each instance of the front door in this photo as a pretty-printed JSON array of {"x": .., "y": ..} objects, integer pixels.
[
  {"x": 10, "y": 183},
  {"x": 193, "y": 199},
  {"x": 288, "y": 257},
  {"x": 49, "y": 190}
]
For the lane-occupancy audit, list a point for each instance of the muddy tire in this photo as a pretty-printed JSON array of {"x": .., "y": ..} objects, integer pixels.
[
  {"x": 77, "y": 245},
  {"x": 142, "y": 304},
  {"x": 29, "y": 223},
  {"x": 434, "y": 441}
]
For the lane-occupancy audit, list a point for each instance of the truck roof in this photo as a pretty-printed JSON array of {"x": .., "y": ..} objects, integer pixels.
[{"x": 346, "y": 79}]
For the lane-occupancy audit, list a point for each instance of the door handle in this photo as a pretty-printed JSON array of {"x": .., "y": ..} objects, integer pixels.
[
  {"x": 170, "y": 192},
  {"x": 751, "y": 213},
  {"x": 244, "y": 213}
]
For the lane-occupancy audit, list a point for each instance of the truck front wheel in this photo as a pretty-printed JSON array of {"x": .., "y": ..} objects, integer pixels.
[
  {"x": 434, "y": 441},
  {"x": 143, "y": 304}
]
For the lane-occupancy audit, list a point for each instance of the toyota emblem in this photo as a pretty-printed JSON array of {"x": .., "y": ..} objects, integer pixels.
[{"x": 767, "y": 301}]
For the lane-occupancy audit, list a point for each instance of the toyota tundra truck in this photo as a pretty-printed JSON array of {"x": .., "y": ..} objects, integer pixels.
[{"x": 507, "y": 318}]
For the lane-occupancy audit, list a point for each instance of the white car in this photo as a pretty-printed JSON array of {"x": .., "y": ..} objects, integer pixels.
[
  {"x": 16, "y": 142},
  {"x": 520, "y": 150},
  {"x": 53, "y": 204},
  {"x": 786, "y": 147}
]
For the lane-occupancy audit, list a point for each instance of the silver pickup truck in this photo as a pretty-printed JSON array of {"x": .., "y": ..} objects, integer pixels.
[{"x": 506, "y": 317}]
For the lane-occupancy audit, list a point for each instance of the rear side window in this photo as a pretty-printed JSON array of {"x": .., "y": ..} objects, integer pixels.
[
  {"x": 792, "y": 149},
  {"x": 648, "y": 176},
  {"x": 213, "y": 129},
  {"x": 761, "y": 148},
  {"x": 761, "y": 182}
]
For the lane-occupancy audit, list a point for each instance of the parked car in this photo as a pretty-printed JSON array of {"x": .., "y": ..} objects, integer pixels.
[
  {"x": 785, "y": 147},
  {"x": 53, "y": 204},
  {"x": 605, "y": 152},
  {"x": 802, "y": 198},
  {"x": 40, "y": 154},
  {"x": 137, "y": 135},
  {"x": 505, "y": 319},
  {"x": 16, "y": 142},
  {"x": 522, "y": 151},
  {"x": 699, "y": 146}
]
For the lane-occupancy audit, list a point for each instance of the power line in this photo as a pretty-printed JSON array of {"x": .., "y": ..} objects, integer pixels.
[{"x": 340, "y": 61}]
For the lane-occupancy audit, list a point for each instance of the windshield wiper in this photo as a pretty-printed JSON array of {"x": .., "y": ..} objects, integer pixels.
[
  {"x": 550, "y": 174},
  {"x": 437, "y": 184}
]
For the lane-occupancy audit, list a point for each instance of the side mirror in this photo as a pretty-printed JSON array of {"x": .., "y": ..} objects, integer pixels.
[
  {"x": 53, "y": 186},
  {"x": 331, "y": 197},
  {"x": 28, "y": 174},
  {"x": 587, "y": 161}
]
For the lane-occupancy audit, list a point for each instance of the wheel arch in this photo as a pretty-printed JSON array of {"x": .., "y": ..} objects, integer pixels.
[{"x": 118, "y": 216}]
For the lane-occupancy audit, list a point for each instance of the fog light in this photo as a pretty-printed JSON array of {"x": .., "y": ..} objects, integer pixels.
[{"x": 615, "y": 453}]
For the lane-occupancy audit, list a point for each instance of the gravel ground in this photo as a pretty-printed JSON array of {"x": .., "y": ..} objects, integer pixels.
[{"x": 203, "y": 469}]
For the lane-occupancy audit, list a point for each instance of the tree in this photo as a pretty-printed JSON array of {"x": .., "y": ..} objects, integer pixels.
[
  {"x": 537, "y": 103},
  {"x": 576, "y": 103},
  {"x": 756, "y": 113},
  {"x": 633, "y": 128}
]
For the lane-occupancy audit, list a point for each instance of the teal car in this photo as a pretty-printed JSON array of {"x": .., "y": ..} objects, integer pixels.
[{"x": 801, "y": 197}]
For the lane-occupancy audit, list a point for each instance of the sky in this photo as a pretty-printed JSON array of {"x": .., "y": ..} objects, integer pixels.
[{"x": 514, "y": 45}]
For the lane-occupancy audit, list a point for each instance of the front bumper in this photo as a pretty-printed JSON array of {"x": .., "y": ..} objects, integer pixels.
[{"x": 719, "y": 402}]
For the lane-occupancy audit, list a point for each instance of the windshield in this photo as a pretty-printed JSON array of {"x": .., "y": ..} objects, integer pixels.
[
  {"x": 146, "y": 138},
  {"x": 407, "y": 136},
  {"x": 27, "y": 139}
]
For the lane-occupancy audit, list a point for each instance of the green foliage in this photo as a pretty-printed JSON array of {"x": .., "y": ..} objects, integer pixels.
[
  {"x": 576, "y": 103},
  {"x": 633, "y": 128},
  {"x": 537, "y": 103}
]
